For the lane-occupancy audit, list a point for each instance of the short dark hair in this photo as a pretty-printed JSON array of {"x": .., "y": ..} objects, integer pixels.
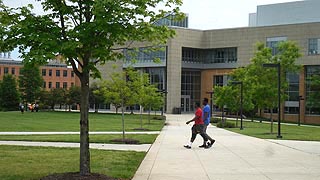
[
  {"x": 206, "y": 100},
  {"x": 197, "y": 104}
]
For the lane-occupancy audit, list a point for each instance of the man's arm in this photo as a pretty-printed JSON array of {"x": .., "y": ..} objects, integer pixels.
[{"x": 195, "y": 118}]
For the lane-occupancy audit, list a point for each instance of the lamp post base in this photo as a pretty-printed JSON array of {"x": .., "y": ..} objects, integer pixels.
[{"x": 279, "y": 136}]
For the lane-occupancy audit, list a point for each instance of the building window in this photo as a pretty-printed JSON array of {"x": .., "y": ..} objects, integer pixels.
[
  {"x": 65, "y": 85},
  {"x": 6, "y": 70},
  {"x": 50, "y": 72},
  {"x": 13, "y": 70},
  {"x": 44, "y": 72},
  {"x": 50, "y": 85},
  {"x": 57, "y": 84},
  {"x": 72, "y": 74},
  {"x": 312, "y": 90},
  {"x": 72, "y": 84},
  {"x": 145, "y": 54},
  {"x": 292, "y": 103},
  {"x": 209, "y": 56},
  {"x": 44, "y": 84},
  {"x": 314, "y": 46},
  {"x": 272, "y": 43},
  {"x": 220, "y": 80},
  {"x": 57, "y": 73},
  {"x": 65, "y": 73},
  {"x": 157, "y": 77}
]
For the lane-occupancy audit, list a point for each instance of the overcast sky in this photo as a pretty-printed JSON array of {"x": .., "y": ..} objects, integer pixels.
[{"x": 203, "y": 14}]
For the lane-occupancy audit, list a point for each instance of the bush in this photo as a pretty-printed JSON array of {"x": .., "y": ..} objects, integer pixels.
[
  {"x": 159, "y": 117},
  {"x": 215, "y": 119},
  {"x": 226, "y": 125}
]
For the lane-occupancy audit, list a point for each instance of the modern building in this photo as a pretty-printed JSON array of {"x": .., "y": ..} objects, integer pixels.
[
  {"x": 286, "y": 13},
  {"x": 195, "y": 61},
  {"x": 55, "y": 74}
]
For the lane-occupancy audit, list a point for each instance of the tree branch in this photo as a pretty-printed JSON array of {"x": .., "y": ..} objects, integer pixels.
[{"x": 74, "y": 66}]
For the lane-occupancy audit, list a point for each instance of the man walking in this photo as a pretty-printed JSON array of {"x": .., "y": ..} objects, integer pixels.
[
  {"x": 198, "y": 127},
  {"x": 206, "y": 116}
]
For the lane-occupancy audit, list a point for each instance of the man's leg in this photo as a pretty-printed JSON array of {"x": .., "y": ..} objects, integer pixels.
[
  {"x": 193, "y": 137},
  {"x": 204, "y": 141}
]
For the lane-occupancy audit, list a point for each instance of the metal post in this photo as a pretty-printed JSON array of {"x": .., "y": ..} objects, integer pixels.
[
  {"x": 299, "y": 112},
  {"x": 278, "y": 66},
  {"x": 279, "y": 101},
  {"x": 241, "y": 106}
]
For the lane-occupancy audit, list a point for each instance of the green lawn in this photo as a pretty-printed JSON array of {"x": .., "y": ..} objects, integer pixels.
[
  {"x": 67, "y": 121},
  {"x": 25, "y": 163},
  {"x": 288, "y": 132},
  {"x": 142, "y": 138}
]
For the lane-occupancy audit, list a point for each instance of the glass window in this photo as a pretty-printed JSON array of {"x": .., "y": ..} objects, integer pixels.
[
  {"x": 272, "y": 43},
  {"x": 58, "y": 73},
  {"x": 72, "y": 74},
  {"x": 157, "y": 77},
  {"x": 50, "y": 72},
  {"x": 191, "y": 86},
  {"x": 13, "y": 70},
  {"x": 44, "y": 84},
  {"x": 218, "y": 80},
  {"x": 50, "y": 85},
  {"x": 6, "y": 70},
  {"x": 65, "y": 73},
  {"x": 65, "y": 85},
  {"x": 72, "y": 84},
  {"x": 312, "y": 90},
  {"x": 314, "y": 46},
  {"x": 209, "y": 56},
  {"x": 145, "y": 54},
  {"x": 44, "y": 72},
  {"x": 57, "y": 84}
]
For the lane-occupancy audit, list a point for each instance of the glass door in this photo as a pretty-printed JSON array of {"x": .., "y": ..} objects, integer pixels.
[{"x": 185, "y": 103}]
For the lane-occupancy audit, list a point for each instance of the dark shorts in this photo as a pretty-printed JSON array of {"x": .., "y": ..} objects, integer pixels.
[{"x": 197, "y": 129}]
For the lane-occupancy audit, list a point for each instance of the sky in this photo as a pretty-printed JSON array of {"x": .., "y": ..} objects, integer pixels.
[{"x": 203, "y": 14}]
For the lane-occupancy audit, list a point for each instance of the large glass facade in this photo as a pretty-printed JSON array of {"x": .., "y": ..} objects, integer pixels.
[
  {"x": 209, "y": 56},
  {"x": 292, "y": 103},
  {"x": 145, "y": 55},
  {"x": 190, "y": 89},
  {"x": 312, "y": 90},
  {"x": 157, "y": 77},
  {"x": 170, "y": 20}
]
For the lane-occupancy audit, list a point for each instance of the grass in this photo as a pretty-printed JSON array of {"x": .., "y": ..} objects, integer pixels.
[
  {"x": 25, "y": 163},
  {"x": 142, "y": 138},
  {"x": 288, "y": 132},
  {"x": 68, "y": 121}
]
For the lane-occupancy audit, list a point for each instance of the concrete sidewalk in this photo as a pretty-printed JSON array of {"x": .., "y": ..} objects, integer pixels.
[
  {"x": 233, "y": 156},
  {"x": 65, "y": 133},
  {"x": 118, "y": 147}
]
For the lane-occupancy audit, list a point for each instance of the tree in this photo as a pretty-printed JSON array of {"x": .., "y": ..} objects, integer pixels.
[
  {"x": 73, "y": 96},
  {"x": 84, "y": 33},
  {"x": 9, "y": 95},
  {"x": 96, "y": 98},
  {"x": 30, "y": 82}
]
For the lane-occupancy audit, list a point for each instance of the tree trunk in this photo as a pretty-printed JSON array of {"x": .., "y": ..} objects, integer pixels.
[
  {"x": 141, "y": 117},
  {"x": 123, "y": 131},
  {"x": 271, "y": 120},
  {"x": 149, "y": 114},
  {"x": 84, "y": 125}
]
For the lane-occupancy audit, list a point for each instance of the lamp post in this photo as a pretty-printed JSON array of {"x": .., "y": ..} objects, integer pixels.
[
  {"x": 241, "y": 101},
  {"x": 211, "y": 105},
  {"x": 299, "y": 114},
  {"x": 278, "y": 66}
]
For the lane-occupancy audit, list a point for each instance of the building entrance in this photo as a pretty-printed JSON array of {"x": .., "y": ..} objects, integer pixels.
[{"x": 185, "y": 103}]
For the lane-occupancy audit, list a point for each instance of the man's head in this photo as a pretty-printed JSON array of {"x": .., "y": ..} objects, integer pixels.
[
  {"x": 197, "y": 105},
  {"x": 205, "y": 101}
]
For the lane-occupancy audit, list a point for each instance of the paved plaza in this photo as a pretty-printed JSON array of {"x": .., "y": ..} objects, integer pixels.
[{"x": 233, "y": 156}]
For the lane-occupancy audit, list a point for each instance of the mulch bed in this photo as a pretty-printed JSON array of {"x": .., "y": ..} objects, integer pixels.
[
  {"x": 126, "y": 141},
  {"x": 76, "y": 176}
]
